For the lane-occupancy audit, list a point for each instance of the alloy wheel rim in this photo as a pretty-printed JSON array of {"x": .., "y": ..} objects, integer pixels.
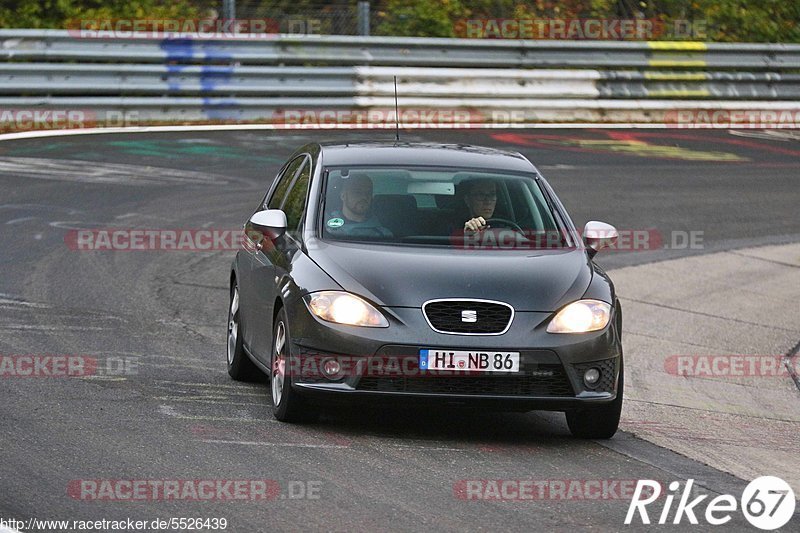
[
  {"x": 279, "y": 364},
  {"x": 233, "y": 325}
]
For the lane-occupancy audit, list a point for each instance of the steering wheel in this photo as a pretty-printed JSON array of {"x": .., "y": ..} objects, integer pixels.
[{"x": 507, "y": 223}]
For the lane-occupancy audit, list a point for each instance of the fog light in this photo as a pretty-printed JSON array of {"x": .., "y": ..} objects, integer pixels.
[
  {"x": 331, "y": 368},
  {"x": 591, "y": 377}
]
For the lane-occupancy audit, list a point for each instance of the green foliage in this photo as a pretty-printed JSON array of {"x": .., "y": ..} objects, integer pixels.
[
  {"x": 758, "y": 21},
  {"x": 419, "y": 18},
  {"x": 722, "y": 20},
  {"x": 65, "y": 13},
  {"x": 717, "y": 20}
]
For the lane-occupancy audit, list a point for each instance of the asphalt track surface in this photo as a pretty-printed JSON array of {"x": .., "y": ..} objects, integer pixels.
[{"x": 177, "y": 415}]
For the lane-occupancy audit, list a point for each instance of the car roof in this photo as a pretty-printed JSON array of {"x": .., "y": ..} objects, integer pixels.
[{"x": 423, "y": 154}]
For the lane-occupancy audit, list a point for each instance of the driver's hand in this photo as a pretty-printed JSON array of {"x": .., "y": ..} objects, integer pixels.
[{"x": 475, "y": 224}]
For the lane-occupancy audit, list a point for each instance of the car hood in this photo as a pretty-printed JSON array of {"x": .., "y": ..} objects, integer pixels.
[{"x": 394, "y": 276}]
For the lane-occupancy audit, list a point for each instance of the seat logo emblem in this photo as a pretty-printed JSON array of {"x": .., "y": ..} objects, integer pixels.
[{"x": 469, "y": 315}]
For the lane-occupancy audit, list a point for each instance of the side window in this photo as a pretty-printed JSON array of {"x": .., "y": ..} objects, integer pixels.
[
  {"x": 296, "y": 199},
  {"x": 284, "y": 180}
]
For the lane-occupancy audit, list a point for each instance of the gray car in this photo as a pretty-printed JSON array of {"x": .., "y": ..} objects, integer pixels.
[{"x": 424, "y": 274}]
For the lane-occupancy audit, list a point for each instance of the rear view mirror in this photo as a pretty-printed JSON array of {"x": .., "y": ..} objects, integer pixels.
[
  {"x": 271, "y": 223},
  {"x": 432, "y": 187},
  {"x": 598, "y": 235}
]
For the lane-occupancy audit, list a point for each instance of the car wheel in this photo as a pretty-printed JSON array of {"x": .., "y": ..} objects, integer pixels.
[
  {"x": 287, "y": 405},
  {"x": 598, "y": 422},
  {"x": 240, "y": 367}
]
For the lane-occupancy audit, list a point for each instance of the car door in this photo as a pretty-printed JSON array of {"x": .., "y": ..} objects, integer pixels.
[
  {"x": 271, "y": 261},
  {"x": 255, "y": 263}
]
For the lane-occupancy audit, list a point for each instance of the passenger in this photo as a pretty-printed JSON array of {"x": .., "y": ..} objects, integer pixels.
[{"x": 356, "y": 219}]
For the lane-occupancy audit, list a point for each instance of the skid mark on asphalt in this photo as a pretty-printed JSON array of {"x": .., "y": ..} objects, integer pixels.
[
  {"x": 219, "y": 419},
  {"x": 279, "y": 444},
  {"x": 46, "y": 208},
  {"x": 6, "y": 300},
  {"x": 192, "y": 366},
  {"x": 45, "y": 328},
  {"x": 657, "y": 145},
  {"x": 770, "y": 135},
  {"x": 217, "y": 394},
  {"x": 172, "y": 411},
  {"x": 215, "y": 401},
  {"x": 179, "y": 358},
  {"x": 209, "y": 402},
  {"x": 189, "y": 385},
  {"x": 202, "y": 286},
  {"x": 104, "y": 173},
  {"x": 261, "y": 434},
  {"x": 206, "y": 404},
  {"x": 102, "y": 378},
  {"x": 19, "y": 314},
  {"x": 627, "y": 143},
  {"x": 154, "y": 361},
  {"x": 167, "y": 410},
  {"x": 20, "y": 220},
  {"x": 75, "y": 225},
  {"x": 188, "y": 398},
  {"x": 308, "y": 436},
  {"x": 303, "y": 438}
]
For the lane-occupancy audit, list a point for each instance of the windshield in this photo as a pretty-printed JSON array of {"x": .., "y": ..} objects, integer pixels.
[{"x": 437, "y": 206}]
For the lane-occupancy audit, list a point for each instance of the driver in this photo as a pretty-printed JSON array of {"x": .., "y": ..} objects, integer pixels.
[
  {"x": 481, "y": 199},
  {"x": 356, "y": 218}
]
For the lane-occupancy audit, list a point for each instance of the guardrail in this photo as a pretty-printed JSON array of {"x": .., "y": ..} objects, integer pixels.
[
  {"x": 260, "y": 77},
  {"x": 271, "y": 49}
]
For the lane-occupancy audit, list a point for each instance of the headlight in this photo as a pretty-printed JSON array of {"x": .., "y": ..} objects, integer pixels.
[
  {"x": 345, "y": 308},
  {"x": 581, "y": 317}
]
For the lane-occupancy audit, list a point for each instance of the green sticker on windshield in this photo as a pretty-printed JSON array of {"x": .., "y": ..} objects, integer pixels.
[{"x": 336, "y": 223}]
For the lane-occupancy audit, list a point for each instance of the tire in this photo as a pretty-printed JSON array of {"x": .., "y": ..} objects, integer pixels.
[
  {"x": 598, "y": 422},
  {"x": 287, "y": 404},
  {"x": 240, "y": 367}
]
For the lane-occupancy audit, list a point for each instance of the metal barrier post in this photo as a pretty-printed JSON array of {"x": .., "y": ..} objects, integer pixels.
[
  {"x": 363, "y": 18},
  {"x": 229, "y": 9}
]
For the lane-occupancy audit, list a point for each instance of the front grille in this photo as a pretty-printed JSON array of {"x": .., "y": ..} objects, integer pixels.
[
  {"x": 608, "y": 371},
  {"x": 545, "y": 380},
  {"x": 447, "y": 316}
]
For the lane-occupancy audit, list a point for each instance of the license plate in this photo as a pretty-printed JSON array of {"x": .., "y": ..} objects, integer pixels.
[{"x": 474, "y": 361}]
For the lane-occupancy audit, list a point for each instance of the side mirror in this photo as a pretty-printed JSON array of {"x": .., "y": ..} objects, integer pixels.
[
  {"x": 598, "y": 235},
  {"x": 271, "y": 223}
]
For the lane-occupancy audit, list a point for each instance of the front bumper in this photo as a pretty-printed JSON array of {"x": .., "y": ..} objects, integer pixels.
[{"x": 381, "y": 364}]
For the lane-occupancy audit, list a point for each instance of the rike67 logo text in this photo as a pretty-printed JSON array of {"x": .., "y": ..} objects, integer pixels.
[{"x": 767, "y": 503}]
